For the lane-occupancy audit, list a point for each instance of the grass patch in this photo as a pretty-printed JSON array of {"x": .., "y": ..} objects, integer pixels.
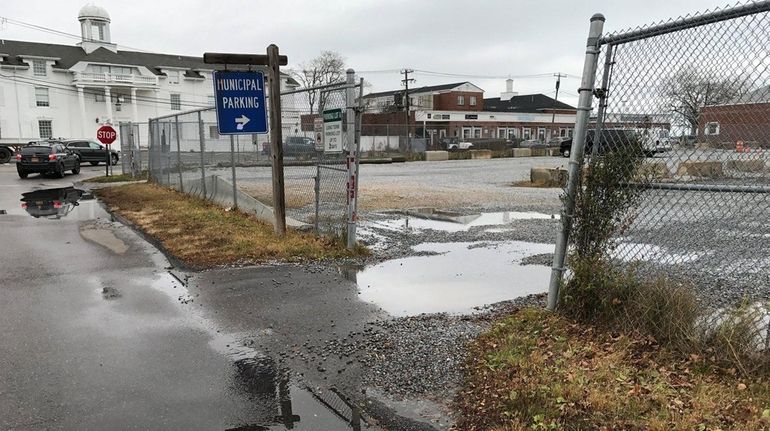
[
  {"x": 202, "y": 234},
  {"x": 117, "y": 178},
  {"x": 536, "y": 370}
]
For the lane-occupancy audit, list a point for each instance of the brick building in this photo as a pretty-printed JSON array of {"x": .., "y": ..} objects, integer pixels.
[
  {"x": 747, "y": 119},
  {"x": 459, "y": 110}
]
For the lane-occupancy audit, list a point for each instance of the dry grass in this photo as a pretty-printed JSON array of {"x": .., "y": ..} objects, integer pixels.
[
  {"x": 537, "y": 370},
  {"x": 528, "y": 183},
  {"x": 117, "y": 178},
  {"x": 202, "y": 234}
]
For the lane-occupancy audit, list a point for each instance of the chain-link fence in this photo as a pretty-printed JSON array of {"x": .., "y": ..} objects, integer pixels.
[
  {"x": 133, "y": 149},
  {"x": 187, "y": 153},
  {"x": 691, "y": 99}
]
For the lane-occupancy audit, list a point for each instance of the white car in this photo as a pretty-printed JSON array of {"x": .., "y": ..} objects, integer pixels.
[{"x": 454, "y": 146}]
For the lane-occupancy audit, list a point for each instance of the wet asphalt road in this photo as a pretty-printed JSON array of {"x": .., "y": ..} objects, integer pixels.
[{"x": 94, "y": 335}]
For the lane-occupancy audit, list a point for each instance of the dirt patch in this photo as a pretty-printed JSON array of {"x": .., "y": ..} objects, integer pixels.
[
  {"x": 201, "y": 234},
  {"x": 538, "y": 370}
]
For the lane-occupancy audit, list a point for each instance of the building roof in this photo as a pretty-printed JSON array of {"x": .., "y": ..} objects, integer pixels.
[
  {"x": 12, "y": 52},
  {"x": 416, "y": 90},
  {"x": 760, "y": 95},
  {"x": 525, "y": 103}
]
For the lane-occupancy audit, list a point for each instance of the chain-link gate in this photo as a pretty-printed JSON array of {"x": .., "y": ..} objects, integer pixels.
[
  {"x": 691, "y": 98},
  {"x": 131, "y": 149},
  {"x": 187, "y": 153}
]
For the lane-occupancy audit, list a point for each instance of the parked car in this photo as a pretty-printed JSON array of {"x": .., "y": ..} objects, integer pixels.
[
  {"x": 454, "y": 144},
  {"x": 616, "y": 138},
  {"x": 46, "y": 157},
  {"x": 298, "y": 146},
  {"x": 92, "y": 152},
  {"x": 51, "y": 203},
  {"x": 532, "y": 144}
]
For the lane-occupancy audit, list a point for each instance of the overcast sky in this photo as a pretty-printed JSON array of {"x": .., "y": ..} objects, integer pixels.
[{"x": 480, "y": 38}]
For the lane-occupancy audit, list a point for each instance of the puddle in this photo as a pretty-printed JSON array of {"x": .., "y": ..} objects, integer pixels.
[
  {"x": 459, "y": 278},
  {"x": 276, "y": 401},
  {"x": 58, "y": 203},
  {"x": 457, "y": 223}
]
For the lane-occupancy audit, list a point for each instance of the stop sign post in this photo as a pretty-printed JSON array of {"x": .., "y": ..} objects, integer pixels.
[{"x": 107, "y": 135}]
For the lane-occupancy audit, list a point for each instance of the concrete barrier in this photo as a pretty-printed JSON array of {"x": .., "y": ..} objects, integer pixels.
[
  {"x": 522, "y": 152},
  {"x": 481, "y": 154},
  {"x": 710, "y": 169},
  {"x": 539, "y": 152},
  {"x": 549, "y": 177},
  {"x": 751, "y": 165},
  {"x": 436, "y": 156},
  {"x": 652, "y": 170},
  {"x": 554, "y": 152}
]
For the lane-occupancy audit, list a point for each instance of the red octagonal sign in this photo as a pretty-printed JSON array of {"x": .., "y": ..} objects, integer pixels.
[{"x": 106, "y": 134}]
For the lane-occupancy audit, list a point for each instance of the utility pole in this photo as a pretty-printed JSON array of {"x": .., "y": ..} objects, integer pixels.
[
  {"x": 406, "y": 82},
  {"x": 556, "y": 98}
]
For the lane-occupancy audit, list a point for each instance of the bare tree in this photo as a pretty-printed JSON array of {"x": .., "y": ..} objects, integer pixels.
[
  {"x": 689, "y": 90},
  {"x": 327, "y": 68}
]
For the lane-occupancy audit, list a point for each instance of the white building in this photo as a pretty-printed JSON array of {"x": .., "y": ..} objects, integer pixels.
[{"x": 49, "y": 90}]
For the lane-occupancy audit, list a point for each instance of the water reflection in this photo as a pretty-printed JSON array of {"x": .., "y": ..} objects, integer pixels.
[{"x": 53, "y": 203}]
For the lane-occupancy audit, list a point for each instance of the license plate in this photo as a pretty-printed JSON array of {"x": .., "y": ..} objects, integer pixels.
[{"x": 34, "y": 160}]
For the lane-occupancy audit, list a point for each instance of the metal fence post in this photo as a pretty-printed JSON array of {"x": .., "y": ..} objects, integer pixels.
[
  {"x": 603, "y": 95},
  {"x": 317, "y": 197},
  {"x": 576, "y": 155},
  {"x": 150, "y": 149},
  {"x": 203, "y": 154},
  {"x": 178, "y": 153},
  {"x": 232, "y": 166},
  {"x": 350, "y": 120}
]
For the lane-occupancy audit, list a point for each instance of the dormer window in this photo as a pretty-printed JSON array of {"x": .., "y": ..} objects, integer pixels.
[
  {"x": 38, "y": 67},
  {"x": 173, "y": 76}
]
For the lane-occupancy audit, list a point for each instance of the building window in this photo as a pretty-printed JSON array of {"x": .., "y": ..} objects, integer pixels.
[
  {"x": 501, "y": 133},
  {"x": 99, "y": 97},
  {"x": 45, "y": 128},
  {"x": 41, "y": 96},
  {"x": 173, "y": 76},
  {"x": 541, "y": 134},
  {"x": 513, "y": 133},
  {"x": 476, "y": 132},
  {"x": 467, "y": 131},
  {"x": 526, "y": 133},
  {"x": 213, "y": 132},
  {"x": 711, "y": 129},
  {"x": 472, "y": 100},
  {"x": 461, "y": 100},
  {"x": 38, "y": 67},
  {"x": 176, "y": 102},
  {"x": 97, "y": 32},
  {"x": 442, "y": 133}
]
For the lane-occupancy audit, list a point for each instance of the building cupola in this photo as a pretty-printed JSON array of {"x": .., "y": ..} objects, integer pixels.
[{"x": 95, "y": 28}]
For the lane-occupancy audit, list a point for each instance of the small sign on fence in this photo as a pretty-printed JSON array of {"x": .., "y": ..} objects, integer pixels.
[
  {"x": 332, "y": 127},
  {"x": 318, "y": 128}
]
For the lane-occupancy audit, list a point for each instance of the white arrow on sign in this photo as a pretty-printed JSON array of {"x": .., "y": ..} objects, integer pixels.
[{"x": 240, "y": 122}]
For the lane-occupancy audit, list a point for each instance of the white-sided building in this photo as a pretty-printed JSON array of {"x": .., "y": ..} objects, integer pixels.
[{"x": 68, "y": 91}]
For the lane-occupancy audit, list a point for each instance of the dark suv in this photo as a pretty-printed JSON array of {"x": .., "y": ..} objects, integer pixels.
[
  {"x": 611, "y": 139},
  {"x": 299, "y": 146},
  {"x": 46, "y": 157},
  {"x": 92, "y": 152}
]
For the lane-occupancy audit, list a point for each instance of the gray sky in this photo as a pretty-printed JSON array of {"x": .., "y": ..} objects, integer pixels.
[{"x": 485, "y": 38}]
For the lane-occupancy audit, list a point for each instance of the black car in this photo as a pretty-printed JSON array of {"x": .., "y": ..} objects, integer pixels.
[
  {"x": 611, "y": 138},
  {"x": 92, "y": 152},
  {"x": 51, "y": 203},
  {"x": 299, "y": 146},
  {"x": 46, "y": 157}
]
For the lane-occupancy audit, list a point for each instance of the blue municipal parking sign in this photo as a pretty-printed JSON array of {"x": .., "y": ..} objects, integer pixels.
[{"x": 240, "y": 102}]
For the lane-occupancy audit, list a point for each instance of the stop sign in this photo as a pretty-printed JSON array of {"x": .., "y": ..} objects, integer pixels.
[{"x": 106, "y": 134}]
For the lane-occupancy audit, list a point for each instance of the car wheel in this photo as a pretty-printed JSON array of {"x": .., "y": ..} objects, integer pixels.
[
  {"x": 23, "y": 174},
  {"x": 94, "y": 163},
  {"x": 60, "y": 170},
  {"x": 76, "y": 169},
  {"x": 565, "y": 153}
]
